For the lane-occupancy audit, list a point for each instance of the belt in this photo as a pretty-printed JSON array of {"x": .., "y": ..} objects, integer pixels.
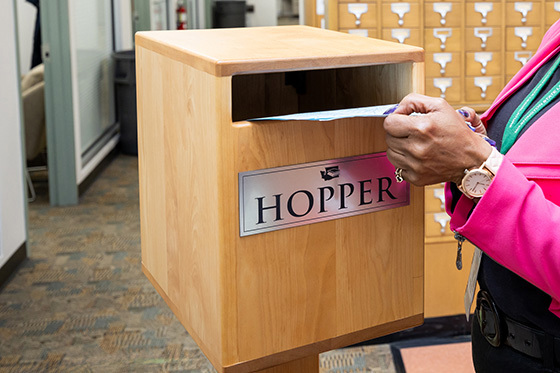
[{"x": 499, "y": 329}]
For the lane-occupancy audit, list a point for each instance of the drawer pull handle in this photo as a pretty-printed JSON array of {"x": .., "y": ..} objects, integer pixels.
[
  {"x": 483, "y": 33},
  {"x": 524, "y": 8},
  {"x": 442, "y": 9},
  {"x": 483, "y": 58},
  {"x": 483, "y": 82},
  {"x": 401, "y": 34},
  {"x": 400, "y": 9},
  {"x": 439, "y": 193},
  {"x": 359, "y": 31},
  {"x": 483, "y": 9},
  {"x": 442, "y": 59},
  {"x": 442, "y": 218},
  {"x": 523, "y": 33},
  {"x": 523, "y": 56},
  {"x": 442, "y": 34},
  {"x": 357, "y": 10},
  {"x": 443, "y": 84}
]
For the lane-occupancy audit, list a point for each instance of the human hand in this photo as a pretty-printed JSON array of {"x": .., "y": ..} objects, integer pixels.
[{"x": 435, "y": 146}]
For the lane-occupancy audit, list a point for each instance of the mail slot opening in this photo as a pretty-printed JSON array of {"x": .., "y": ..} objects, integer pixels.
[{"x": 290, "y": 92}]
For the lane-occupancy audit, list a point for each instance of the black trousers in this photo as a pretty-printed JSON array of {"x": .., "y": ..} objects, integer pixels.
[{"x": 490, "y": 359}]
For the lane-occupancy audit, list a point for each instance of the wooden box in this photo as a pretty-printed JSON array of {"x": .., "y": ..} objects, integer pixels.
[{"x": 282, "y": 297}]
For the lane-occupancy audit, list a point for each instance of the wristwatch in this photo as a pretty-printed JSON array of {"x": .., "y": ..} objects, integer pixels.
[{"x": 477, "y": 180}]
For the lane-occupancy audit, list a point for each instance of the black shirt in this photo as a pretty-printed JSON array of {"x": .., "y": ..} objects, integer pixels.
[{"x": 516, "y": 297}]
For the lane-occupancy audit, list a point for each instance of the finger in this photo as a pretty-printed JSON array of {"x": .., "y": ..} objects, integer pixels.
[
  {"x": 473, "y": 118},
  {"x": 467, "y": 112},
  {"x": 396, "y": 145},
  {"x": 397, "y": 159},
  {"x": 400, "y": 125},
  {"x": 416, "y": 103},
  {"x": 478, "y": 125}
]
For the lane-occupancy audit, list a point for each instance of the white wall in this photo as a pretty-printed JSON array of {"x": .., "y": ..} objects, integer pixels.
[
  {"x": 266, "y": 13},
  {"x": 26, "y": 28},
  {"x": 123, "y": 25},
  {"x": 12, "y": 203}
]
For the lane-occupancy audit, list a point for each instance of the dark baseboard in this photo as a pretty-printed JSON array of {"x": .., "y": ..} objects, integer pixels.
[
  {"x": 84, "y": 185},
  {"x": 435, "y": 327},
  {"x": 12, "y": 264}
]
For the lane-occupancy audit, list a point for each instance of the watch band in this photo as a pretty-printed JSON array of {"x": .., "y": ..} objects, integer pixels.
[
  {"x": 494, "y": 161},
  {"x": 489, "y": 166}
]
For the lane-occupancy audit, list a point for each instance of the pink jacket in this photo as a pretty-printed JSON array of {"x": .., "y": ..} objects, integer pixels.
[{"x": 517, "y": 221}]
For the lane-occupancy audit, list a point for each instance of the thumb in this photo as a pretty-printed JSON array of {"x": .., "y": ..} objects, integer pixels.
[{"x": 421, "y": 104}]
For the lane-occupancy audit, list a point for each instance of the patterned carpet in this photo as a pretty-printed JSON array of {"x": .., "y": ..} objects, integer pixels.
[{"x": 81, "y": 304}]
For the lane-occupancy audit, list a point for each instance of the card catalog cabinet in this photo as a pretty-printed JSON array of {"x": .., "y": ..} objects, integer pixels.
[
  {"x": 472, "y": 47},
  {"x": 444, "y": 283}
]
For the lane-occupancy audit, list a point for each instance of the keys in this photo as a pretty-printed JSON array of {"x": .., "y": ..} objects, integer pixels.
[{"x": 459, "y": 261}]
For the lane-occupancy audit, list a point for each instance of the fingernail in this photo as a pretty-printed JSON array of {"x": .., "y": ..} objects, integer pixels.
[
  {"x": 463, "y": 113},
  {"x": 391, "y": 110}
]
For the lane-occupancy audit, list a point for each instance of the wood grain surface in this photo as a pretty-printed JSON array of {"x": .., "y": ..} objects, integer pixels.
[
  {"x": 223, "y": 52},
  {"x": 268, "y": 299}
]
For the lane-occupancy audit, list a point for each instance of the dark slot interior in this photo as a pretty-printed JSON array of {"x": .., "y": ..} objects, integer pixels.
[{"x": 280, "y": 93}]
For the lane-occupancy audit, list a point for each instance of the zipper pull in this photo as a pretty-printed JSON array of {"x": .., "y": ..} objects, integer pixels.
[{"x": 459, "y": 261}]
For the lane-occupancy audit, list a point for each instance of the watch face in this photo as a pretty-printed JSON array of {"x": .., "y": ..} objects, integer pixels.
[{"x": 476, "y": 182}]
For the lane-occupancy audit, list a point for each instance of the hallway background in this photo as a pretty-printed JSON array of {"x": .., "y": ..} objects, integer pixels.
[{"x": 80, "y": 302}]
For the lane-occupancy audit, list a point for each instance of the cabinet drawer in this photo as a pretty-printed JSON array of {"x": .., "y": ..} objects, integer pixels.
[
  {"x": 483, "y": 39},
  {"x": 401, "y": 14},
  {"x": 442, "y": 39},
  {"x": 523, "y": 38},
  {"x": 357, "y": 15},
  {"x": 484, "y": 63},
  {"x": 523, "y": 13},
  {"x": 437, "y": 225},
  {"x": 402, "y": 35},
  {"x": 515, "y": 61},
  {"x": 434, "y": 199},
  {"x": 483, "y": 88},
  {"x": 443, "y": 64},
  {"x": 448, "y": 88},
  {"x": 444, "y": 283},
  {"x": 552, "y": 9},
  {"x": 442, "y": 14},
  {"x": 483, "y": 14}
]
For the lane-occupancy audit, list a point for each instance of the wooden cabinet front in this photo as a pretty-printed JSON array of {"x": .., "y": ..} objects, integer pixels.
[{"x": 506, "y": 29}]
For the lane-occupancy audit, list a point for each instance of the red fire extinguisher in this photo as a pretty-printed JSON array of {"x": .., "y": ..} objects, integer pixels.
[{"x": 181, "y": 16}]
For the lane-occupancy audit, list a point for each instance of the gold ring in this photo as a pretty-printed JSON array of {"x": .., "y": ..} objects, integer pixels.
[{"x": 398, "y": 175}]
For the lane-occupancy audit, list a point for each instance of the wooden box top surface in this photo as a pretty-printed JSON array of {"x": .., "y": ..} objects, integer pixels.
[{"x": 225, "y": 52}]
